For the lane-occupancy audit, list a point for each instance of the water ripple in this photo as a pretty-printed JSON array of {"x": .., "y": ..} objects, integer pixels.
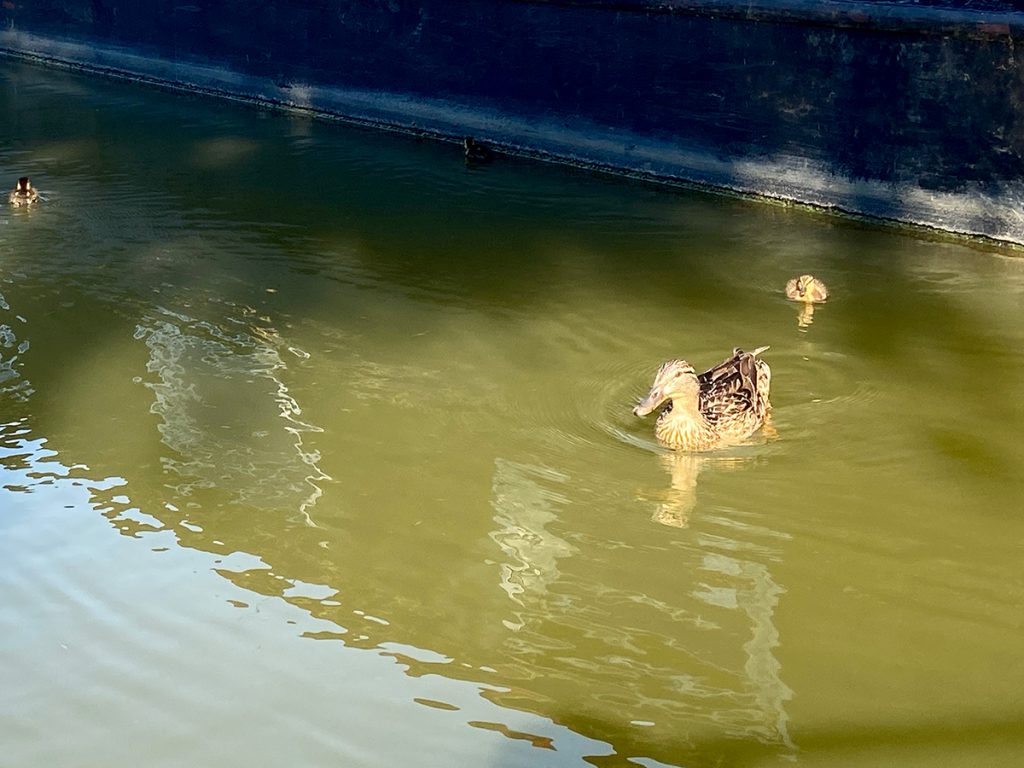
[{"x": 227, "y": 413}]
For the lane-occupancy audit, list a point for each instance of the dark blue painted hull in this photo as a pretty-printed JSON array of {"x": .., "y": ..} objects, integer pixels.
[{"x": 910, "y": 111}]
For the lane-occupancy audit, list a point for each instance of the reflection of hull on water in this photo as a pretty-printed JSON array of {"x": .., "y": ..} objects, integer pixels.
[
  {"x": 752, "y": 591},
  {"x": 11, "y": 382},
  {"x": 732, "y": 596},
  {"x": 523, "y": 509},
  {"x": 230, "y": 421}
]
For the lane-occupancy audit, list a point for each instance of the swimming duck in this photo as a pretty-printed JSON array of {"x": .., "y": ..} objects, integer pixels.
[
  {"x": 23, "y": 193},
  {"x": 806, "y": 288},
  {"x": 722, "y": 406},
  {"x": 475, "y": 151}
]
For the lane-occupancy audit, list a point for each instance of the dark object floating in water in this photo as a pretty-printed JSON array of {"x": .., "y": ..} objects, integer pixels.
[{"x": 477, "y": 152}]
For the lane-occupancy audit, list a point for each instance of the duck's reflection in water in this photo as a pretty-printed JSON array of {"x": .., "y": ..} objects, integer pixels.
[
  {"x": 674, "y": 504},
  {"x": 679, "y": 499},
  {"x": 805, "y": 316}
]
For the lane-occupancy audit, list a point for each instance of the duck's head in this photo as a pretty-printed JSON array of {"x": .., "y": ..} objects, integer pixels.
[
  {"x": 806, "y": 288},
  {"x": 675, "y": 380},
  {"x": 24, "y": 186}
]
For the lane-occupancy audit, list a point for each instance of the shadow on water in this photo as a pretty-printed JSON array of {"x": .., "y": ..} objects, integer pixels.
[{"x": 306, "y": 187}]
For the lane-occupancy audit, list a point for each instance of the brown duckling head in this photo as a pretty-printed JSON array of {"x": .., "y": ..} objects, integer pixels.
[
  {"x": 806, "y": 288},
  {"x": 23, "y": 192}
]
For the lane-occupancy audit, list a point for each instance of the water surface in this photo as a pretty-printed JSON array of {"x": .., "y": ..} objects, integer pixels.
[{"x": 316, "y": 449}]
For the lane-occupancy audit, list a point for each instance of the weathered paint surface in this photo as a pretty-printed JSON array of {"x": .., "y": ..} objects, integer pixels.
[{"x": 908, "y": 111}]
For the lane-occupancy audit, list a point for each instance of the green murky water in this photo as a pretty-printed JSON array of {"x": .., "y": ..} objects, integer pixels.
[{"x": 316, "y": 449}]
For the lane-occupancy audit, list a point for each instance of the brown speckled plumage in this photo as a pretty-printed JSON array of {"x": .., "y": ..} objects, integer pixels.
[
  {"x": 722, "y": 406},
  {"x": 23, "y": 193}
]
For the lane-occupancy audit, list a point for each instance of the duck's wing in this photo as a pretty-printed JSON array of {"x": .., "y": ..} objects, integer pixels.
[
  {"x": 728, "y": 407},
  {"x": 734, "y": 393},
  {"x": 719, "y": 376},
  {"x": 733, "y": 375}
]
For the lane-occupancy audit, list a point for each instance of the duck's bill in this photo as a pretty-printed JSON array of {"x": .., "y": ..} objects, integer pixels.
[{"x": 649, "y": 403}]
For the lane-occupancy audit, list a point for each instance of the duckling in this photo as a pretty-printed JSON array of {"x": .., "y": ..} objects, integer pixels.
[
  {"x": 806, "y": 288},
  {"x": 476, "y": 152},
  {"x": 720, "y": 407},
  {"x": 23, "y": 193}
]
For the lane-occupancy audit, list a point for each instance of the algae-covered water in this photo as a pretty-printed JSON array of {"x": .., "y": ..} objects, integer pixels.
[{"x": 316, "y": 449}]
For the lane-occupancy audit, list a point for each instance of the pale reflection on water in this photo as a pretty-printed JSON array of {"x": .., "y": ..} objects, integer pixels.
[
  {"x": 12, "y": 384},
  {"x": 524, "y": 509},
  {"x": 253, "y": 450},
  {"x": 806, "y": 315}
]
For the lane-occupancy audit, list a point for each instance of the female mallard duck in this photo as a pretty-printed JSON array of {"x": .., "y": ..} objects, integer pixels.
[
  {"x": 476, "y": 152},
  {"x": 722, "y": 406},
  {"x": 806, "y": 288},
  {"x": 23, "y": 193}
]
